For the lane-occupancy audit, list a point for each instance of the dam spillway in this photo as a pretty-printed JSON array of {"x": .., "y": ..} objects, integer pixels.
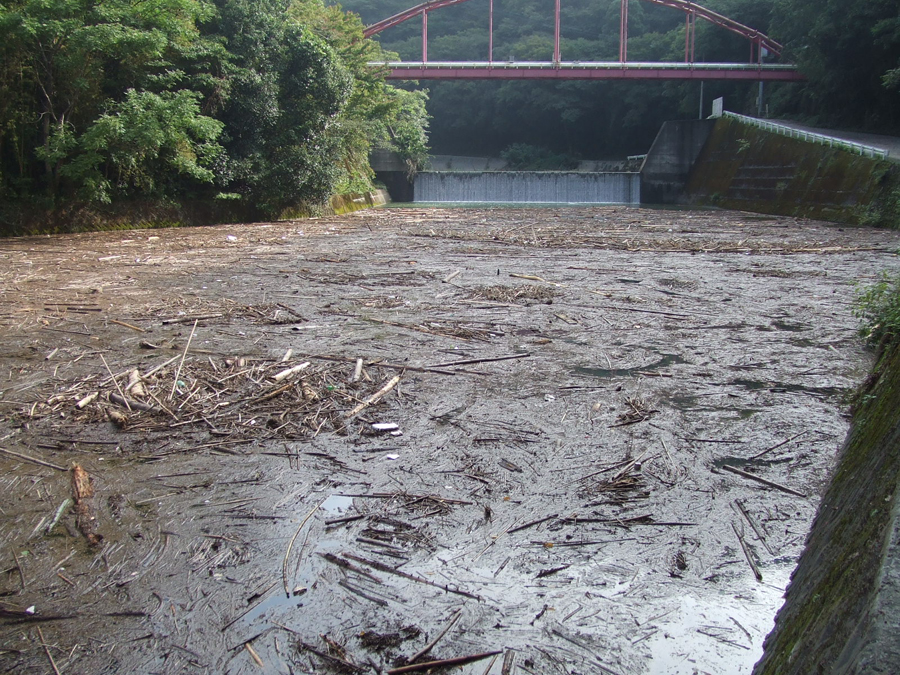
[{"x": 536, "y": 187}]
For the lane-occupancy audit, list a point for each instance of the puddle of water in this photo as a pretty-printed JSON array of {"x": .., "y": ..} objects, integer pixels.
[
  {"x": 684, "y": 402},
  {"x": 752, "y": 366},
  {"x": 336, "y": 504},
  {"x": 666, "y": 360},
  {"x": 807, "y": 343},
  {"x": 277, "y": 601},
  {"x": 718, "y": 634},
  {"x": 687, "y": 402},
  {"x": 277, "y": 604}
]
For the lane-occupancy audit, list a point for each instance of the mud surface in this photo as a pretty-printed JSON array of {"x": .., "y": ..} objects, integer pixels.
[{"x": 555, "y": 487}]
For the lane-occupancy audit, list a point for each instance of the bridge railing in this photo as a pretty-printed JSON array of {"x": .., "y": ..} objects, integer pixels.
[
  {"x": 821, "y": 139},
  {"x": 583, "y": 65}
]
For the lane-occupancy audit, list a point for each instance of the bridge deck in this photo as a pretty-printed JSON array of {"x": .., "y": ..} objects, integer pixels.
[{"x": 587, "y": 70}]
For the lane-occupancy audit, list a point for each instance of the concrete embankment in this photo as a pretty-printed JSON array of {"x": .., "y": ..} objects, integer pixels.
[
  {"x": 458, "y": 179},
  {"x": 747, "y": 168},
  {"x": 671, "y": 158},
  {"x": 842, "y": 609}
]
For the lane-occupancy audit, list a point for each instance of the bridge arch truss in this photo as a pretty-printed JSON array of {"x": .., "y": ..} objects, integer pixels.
[{"x": 760, "y": 44}]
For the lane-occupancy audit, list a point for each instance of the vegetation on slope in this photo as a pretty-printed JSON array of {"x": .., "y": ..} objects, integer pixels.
[{"x": 269, "y": 103}]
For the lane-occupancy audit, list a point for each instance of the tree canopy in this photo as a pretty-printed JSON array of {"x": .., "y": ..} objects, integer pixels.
[{"x": 266, "y": 101}]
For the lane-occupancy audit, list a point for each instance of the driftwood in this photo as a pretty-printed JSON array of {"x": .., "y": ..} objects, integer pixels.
[
  {"x": 444, "y": 663},
  {"x": 85, "y": 511},
  {"x": 381, "y": 567},
  {"x": 427, "y": 648},
  {"x": 756, "y": 529},
  {"x": 533, "y": 523},
  {"x": 183, "y": 357},
  {"x": 764, "y": 481},
  {"x": 33, "y": 460},
  {"x": 47, "y": 651},
  {"x": 747, "y": 554},
  {"x": 128, "y": 325},
  {"x": 778, "y": 445},
  {"x": 374, "y": 398},
  {"x": 469, "y": 362},
  {"x": 129, "y": 403}
]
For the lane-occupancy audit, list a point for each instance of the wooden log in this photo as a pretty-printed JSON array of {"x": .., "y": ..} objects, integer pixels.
[
  {"x": 764, "y": 481},
  {"x": 374, "y": 398},
  {"x": 33, "y": 460},
  {"x": 443, "y": 663},
  {"x": 85, "y": 512}
]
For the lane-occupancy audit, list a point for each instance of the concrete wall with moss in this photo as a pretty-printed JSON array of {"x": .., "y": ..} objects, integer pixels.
[
  {"x": 744, "y": 167},
  {"x": 842, "y": 608}
]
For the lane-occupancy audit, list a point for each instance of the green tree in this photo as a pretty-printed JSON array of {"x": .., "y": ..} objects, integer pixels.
[
  {"x": 82, "y": 59},
  {"x": 850, "y": 53},
  {"x": 287, "y": 88},
  {"x": 143, "y": 145},
  {"x": 271, "y": 99}
]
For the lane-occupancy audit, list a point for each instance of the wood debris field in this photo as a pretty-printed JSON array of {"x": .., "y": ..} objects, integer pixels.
[{"x": 492, "y": 441}]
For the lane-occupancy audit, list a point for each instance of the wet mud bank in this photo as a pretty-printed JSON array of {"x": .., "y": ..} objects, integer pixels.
[
  {"x": 842, "y": 609},
  {"x": 571, "y": 440}
]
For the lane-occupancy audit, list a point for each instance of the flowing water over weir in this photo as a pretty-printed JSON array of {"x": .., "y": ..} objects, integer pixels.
[{"x": 545, "y": 187}]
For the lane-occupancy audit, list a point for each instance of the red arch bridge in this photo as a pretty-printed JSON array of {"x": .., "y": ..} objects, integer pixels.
[{"x": 623, "y": 69}]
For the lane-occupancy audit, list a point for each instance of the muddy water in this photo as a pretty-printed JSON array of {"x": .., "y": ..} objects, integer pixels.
[{"x": 570, "y": 502}]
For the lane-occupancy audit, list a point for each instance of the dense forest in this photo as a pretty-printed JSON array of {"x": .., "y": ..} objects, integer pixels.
[
  {"x": 850, "y": 51},
  {"x": 270, "y": 103}
]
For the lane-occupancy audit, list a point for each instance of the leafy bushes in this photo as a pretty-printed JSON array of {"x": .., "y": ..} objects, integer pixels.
[
  {"x": 271, "y": 102},
  {"x": 525, "y": 157},
  {"x": 878, "y": 308}
]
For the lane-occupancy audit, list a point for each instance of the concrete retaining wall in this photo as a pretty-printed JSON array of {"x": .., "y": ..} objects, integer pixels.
[
  {"x": 747, "y": 168},
  {"x": 665, "y": 173}
]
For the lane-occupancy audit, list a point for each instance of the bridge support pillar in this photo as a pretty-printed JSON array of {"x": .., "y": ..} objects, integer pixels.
[
  {"x": 689, "y": 25},
  {"x": 556, "y": 56},
  {"x": 491, "y": 32},
  {"x": 424, "y": 36}
]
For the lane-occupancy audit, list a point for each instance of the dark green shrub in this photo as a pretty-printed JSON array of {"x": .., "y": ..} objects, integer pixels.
[{"x": 878, "y": 308}]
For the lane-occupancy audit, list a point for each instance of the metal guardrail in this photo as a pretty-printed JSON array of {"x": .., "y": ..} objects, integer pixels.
[{"x": 864, "y": 150}]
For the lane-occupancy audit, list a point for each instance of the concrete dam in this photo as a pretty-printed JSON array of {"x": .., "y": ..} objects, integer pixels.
[
  {"x": 656, "y": 178},
  {"x": 543, "y": 187}
]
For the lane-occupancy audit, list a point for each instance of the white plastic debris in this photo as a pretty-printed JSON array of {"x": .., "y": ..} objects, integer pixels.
[{"x": 385, "y": 426}]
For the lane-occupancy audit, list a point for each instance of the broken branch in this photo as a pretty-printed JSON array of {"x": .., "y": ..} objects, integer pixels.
[
  {"x": 443, "y": 663},
  {"x": 374, "y": 398},
  {"x": 764, "y": 481}
]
